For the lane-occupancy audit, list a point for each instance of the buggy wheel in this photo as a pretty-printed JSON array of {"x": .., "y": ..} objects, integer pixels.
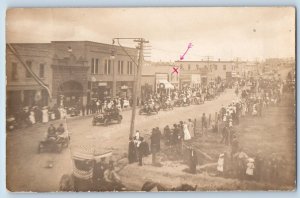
[
  {"x": 39, "y": 148},
  {"x": 66, "y": 143},
  {"x": 119, "y": 119},
  {"x": 106, "y": 122},
  {"x": 59, "y": 148}
]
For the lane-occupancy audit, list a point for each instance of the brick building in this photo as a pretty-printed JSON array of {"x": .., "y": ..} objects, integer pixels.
[
  {"x": 73, "y": 70},
  {"x": 208, "y": 71}
]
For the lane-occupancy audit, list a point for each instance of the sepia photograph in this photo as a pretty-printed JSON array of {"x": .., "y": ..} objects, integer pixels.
[{"x": 151, "y": 99}]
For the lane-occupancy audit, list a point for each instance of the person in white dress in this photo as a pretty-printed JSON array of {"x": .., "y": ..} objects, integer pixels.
[
  {"x": 61, "y": 113},
  {"x": 32, "y": 117},
  {"x": 220, "y": 166},
  {"x": 187, "y": 135},
  {"x": 45, "y": 115},
  {"x": 191, "y": 127}
]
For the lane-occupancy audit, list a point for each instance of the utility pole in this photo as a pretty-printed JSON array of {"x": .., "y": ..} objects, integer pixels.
[
  {"x": 208, "y": 59},
  {"x": 137, "y": 84},
  {"x": 137, "y": 76}
]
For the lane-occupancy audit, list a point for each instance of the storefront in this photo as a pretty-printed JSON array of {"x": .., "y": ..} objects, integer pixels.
[
  {"x": 124, "y": 89},
  {"x": 99, "y": 90},
  {"x": 17, "y": 99}
]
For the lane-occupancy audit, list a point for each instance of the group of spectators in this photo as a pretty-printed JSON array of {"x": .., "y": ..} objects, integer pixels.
[
  {"x": 252, "y": 97},
  {"x": 236, "y": 163}
]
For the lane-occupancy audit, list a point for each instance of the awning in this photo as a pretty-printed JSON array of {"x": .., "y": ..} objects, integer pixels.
[{"x": 167, "y": 84}]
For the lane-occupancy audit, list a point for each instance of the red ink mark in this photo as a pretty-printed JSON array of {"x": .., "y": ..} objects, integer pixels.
[
  {"x": 189, "y": 46},
  {"x": 175, "y": 69}
]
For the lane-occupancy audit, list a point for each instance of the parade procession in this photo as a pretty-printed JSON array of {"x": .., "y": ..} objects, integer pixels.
[{"x": 99, "y": 114}]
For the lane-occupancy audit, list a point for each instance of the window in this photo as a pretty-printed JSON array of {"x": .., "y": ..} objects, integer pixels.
[
  {"x": 29, "y": 65},
  {"x": 224, "y": 67},
  {"x": 216, "y": 67},
  {"x": 107, "y": 67},
  {"x": 181, "y": 67},
  {"x": 120, "y": 67},
  {"x": 189, "y": 67},
  {"x": 94, "y": 66},
  {"x": 14, "y": 71},
  {"x": 129, "y": 68},
  {"x": 197, "y": 67},
  {"x": 42, "y": 71}
]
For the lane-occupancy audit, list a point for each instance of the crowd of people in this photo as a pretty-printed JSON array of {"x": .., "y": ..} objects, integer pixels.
[
  {"x": 28, "y": 116},
  {"x": 252, "y": 97},
  {"x": 237, "y": 163}
]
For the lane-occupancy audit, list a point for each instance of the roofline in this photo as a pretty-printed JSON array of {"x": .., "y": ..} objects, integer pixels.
[
  {"x": 49, "y": 43},
  {"x": 211, "y": 61}
]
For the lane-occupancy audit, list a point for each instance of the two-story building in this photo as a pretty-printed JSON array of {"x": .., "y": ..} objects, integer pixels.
[
  {"x": 73, "y": 70},
  {"x": 192, "y": 71}
]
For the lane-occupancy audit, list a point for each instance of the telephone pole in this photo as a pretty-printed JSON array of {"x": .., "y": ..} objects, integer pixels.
[
  {"x": 137, "y": 78},
  {"x": 137, "y": 84}
]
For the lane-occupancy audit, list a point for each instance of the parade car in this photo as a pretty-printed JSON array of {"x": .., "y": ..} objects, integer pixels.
[
  {"x": 84, "y": 177},
  {"x": 182, "y": 102},
  {"x": 108, "y": 117},
  {"x": 150, "y": 109},
  {"x": 11, "y": 123},
  {"x": 73, "y": 111},
  {"x": 54, "y": 144},
  {"x": 167, "y": 105}
]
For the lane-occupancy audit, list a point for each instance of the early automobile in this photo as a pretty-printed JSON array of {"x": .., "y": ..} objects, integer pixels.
[
  {"x": 149, "y": 108},
  {"x": 11, "y": 123},
  {"x": 108, "y": 117},
  {"x": 73, "y": 111},
  {"x": 54, "y": 144}
]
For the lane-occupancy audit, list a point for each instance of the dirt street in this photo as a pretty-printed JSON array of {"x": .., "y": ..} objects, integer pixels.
[{"x": 28, "y": 168}]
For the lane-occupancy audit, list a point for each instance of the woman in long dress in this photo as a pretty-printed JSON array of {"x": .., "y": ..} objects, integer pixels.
[
  {"x": 187, "y": 135},
  {"x": 32, "y": 117},
  {"x": 45, "y": 115}
]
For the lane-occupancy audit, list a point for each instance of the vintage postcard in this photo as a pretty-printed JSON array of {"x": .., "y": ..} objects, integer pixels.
[{"x": 150, "y": 99}]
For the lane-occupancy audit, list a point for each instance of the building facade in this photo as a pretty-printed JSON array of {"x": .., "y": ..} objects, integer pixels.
[
  {"x": 208, "y": 71},
  {"x": 156, "y": 73},
  {"x": 74, "y": 71}
]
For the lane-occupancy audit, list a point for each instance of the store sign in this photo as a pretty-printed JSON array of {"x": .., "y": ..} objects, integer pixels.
[{"x": 101, "y": 84}]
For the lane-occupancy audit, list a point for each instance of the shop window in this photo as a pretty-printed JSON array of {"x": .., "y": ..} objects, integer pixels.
[
  {"x": 29, "y": 65},
  {"x": 14, "y": 71},
  {"x": 42, "y": 71}
]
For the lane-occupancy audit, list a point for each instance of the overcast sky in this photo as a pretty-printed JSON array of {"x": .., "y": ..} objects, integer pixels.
[{"x": 226, "y": 33}]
